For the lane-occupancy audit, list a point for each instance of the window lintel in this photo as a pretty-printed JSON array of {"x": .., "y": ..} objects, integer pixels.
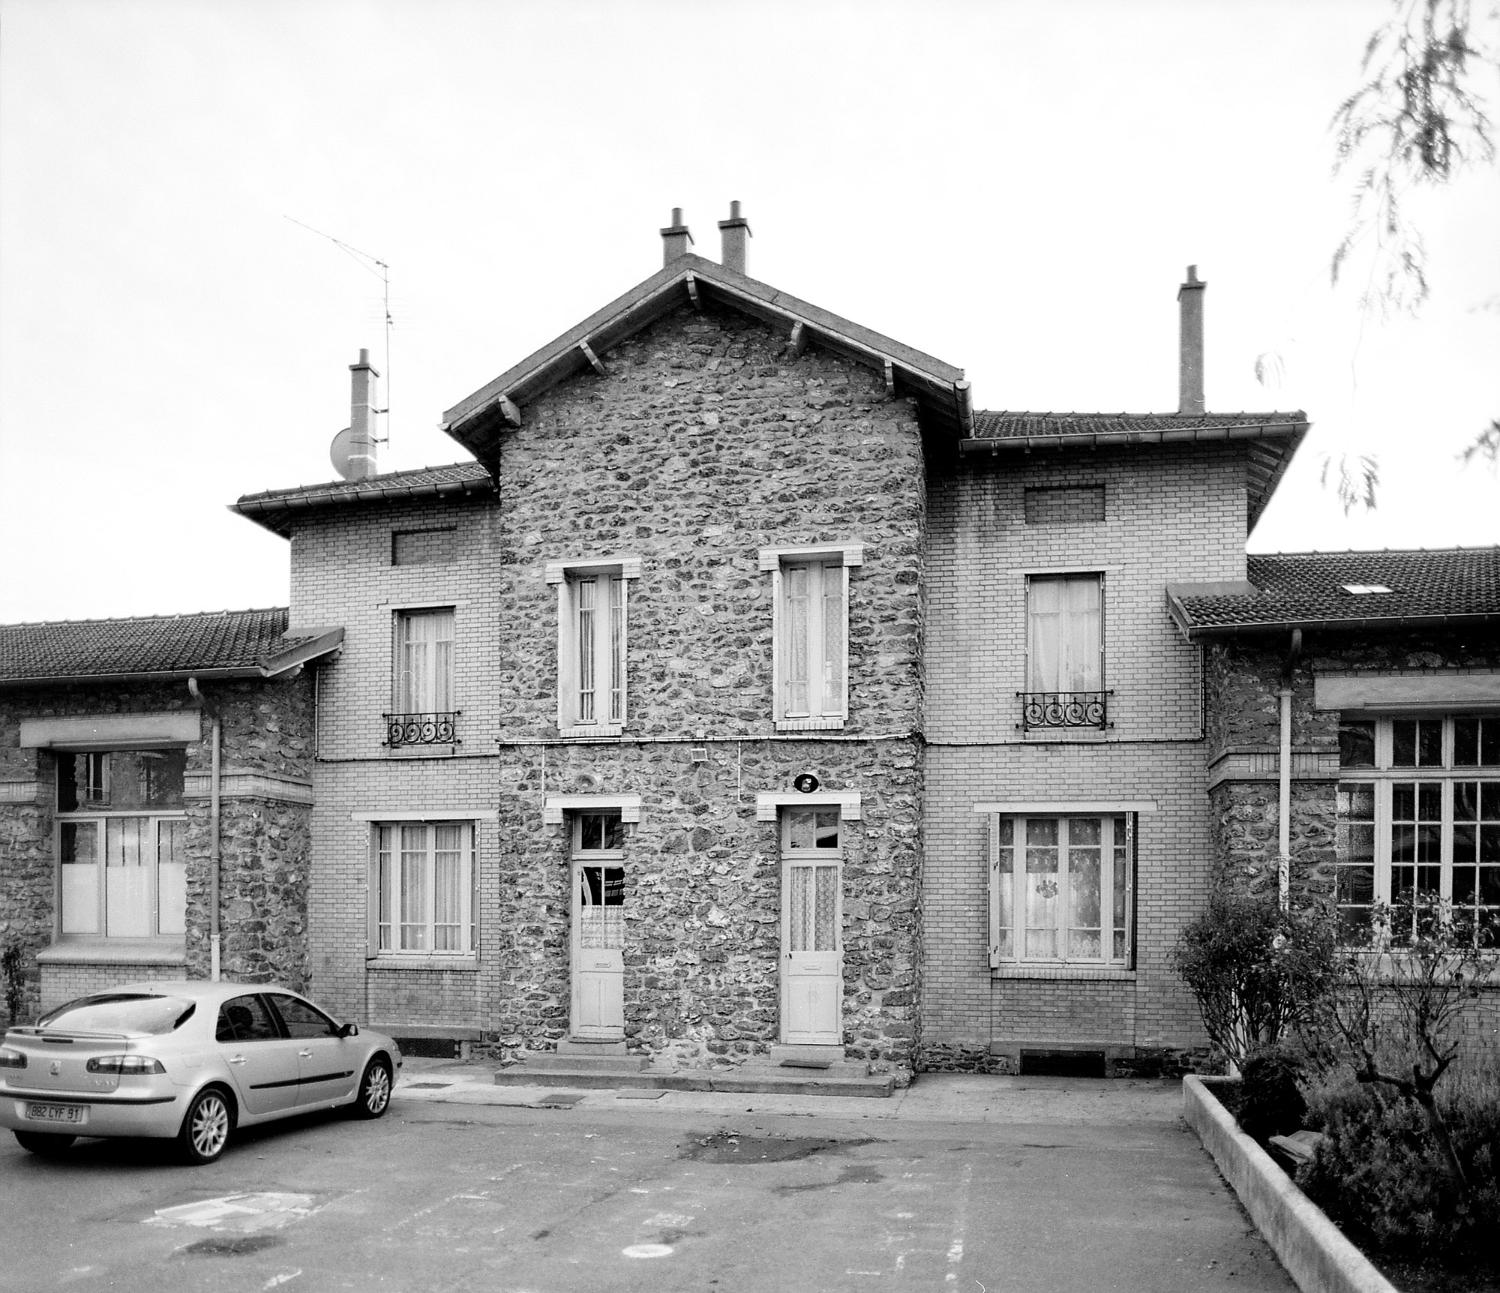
[
  {"x": 554, "y": 806},
  {"x": 768, "y": 803},
  {"x": 1067, "y": 807},
  {"x": 848, "y": 554},
  {"x": 555, "y": 572}
]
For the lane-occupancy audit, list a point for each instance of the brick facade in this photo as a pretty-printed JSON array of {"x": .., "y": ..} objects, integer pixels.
[{"x": 1168, "y": 514}]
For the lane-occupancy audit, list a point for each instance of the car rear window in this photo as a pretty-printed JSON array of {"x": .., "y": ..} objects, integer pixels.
[{"x": 116, "y": 1013}]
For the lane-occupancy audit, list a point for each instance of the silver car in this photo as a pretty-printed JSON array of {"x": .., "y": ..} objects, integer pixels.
[{"x": 190, "y": 1061}]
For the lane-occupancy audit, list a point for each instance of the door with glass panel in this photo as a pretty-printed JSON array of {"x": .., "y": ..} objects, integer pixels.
[
  {"x": 598, "y": 951},
  {"x": 811, "y": 945}
]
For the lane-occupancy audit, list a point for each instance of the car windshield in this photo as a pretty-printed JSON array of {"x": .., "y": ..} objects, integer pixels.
[{"x": 120, "y": 1013}]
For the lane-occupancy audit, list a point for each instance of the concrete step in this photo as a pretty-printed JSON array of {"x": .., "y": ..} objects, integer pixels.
[
  {"x": 756, "y": 1078},
  {"x": 575, "y": 1063}
]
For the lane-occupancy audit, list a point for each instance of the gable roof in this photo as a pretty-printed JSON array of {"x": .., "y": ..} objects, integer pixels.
[
  {"x": 478, "y": 421},
  {"x": 1272, "y": 438},
  {"x": 275, "y": 508},
  {"x": 1310, "y": 590},
  {"x": 158, "y": 648}
]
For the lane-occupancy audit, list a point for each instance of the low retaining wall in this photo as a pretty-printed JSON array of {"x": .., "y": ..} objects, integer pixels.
[{"x": 1313, "y": 1250}]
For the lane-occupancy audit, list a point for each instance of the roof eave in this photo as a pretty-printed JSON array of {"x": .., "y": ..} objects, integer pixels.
[
  {"x": 479, "y": 421},
  {"x": 1204, "y": 632},
  {"x": 278, "y": 512}
]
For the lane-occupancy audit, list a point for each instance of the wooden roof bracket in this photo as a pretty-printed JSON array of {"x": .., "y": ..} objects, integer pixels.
[
  {"x": 593, "y": 359},
  {"x": 797, "y": 342},
  {"x": 508, "y": 411},
  {"x": 890, "y": 378},
  {"x": 692, "y": 287}
]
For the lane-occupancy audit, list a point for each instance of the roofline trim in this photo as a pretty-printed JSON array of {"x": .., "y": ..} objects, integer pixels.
[
  {"x": 1094, "y": 439},
  {"x": 1198, "y": 632}
]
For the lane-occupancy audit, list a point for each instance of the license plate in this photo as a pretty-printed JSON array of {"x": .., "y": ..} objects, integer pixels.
[{"x": 73, "y": 1113}]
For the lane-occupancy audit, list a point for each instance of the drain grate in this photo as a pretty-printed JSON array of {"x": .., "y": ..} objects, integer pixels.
[{"x": 559, "y": 1100}]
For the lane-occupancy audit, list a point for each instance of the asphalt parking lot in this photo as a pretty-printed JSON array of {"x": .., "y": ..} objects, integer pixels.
[{"x": 971, "y": 1187}]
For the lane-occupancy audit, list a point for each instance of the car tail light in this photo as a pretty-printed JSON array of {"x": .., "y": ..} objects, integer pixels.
[
  {"x": 10, "y": 1059},
  {"x": 124, "y": 1064}
]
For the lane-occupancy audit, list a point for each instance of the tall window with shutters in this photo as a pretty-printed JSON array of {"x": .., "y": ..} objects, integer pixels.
[
  {"x": 811, "y": 634},
  {"x": 593, "y": 597},
  {"x": 1064, "y": 652}
]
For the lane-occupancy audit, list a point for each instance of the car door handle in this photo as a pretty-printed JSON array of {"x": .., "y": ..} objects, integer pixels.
[
  {"x": 304, "y": 1055},
  {"x": 236, "y": 1059}
]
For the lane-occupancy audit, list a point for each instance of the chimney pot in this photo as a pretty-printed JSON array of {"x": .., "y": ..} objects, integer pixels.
[
  {"x": 1190, "y": 398},
  {"x": 675, "y": 238},
  {"x": 734, "y": 234}
]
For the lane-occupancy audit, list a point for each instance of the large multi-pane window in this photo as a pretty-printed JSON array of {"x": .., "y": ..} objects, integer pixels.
[
  {"x": 813, "y": 650},
  {"x": 424, "y": 887},
  {"x": 1418, "y": 817},
  {"x": 122, "y": 843},
  {"x": 1060, "y": 889},
  {"x": 424, "y": 661}
]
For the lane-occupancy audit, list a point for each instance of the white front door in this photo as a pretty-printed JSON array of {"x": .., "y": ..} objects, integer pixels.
[
  {"x": 811, "y": 926},
  {"x": 598, "y": 928}
]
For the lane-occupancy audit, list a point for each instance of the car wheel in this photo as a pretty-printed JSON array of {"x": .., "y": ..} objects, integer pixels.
[
  {"x": 374, "y": 1096},
  {"x": 205, "y": 1129},
  {"x": 44, "y": 1143}
]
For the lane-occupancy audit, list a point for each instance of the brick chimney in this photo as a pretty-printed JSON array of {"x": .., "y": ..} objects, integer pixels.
[
  {"x": 1190, "y": 345},
  {"x": 734, "y": 234},
  {"x": 675, "y": 238},
  {"x": 362, "y": 419}
]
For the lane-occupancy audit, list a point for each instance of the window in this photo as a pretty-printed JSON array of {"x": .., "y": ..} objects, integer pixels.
[
  {"x": 591, "y": 656},
  {"x": 422, "y": 686},
  {"x": 1418, "y": 814},
  {"x": 598, "y": 854},
  {"x": 424, "y": 882},
  {"x": 1061, "y": 889},
  {"x": 122, "y": 843},
  {"x": 811, "y": 654},
  {"x": 1064, "y": 652}
]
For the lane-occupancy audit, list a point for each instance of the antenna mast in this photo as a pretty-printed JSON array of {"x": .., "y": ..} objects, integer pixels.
[{"x": 371, "y": 265}]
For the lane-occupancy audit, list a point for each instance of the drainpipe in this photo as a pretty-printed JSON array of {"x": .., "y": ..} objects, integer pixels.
[
  {"x": 216, "y": 740},
  {"x": 1284, "y": 841}
]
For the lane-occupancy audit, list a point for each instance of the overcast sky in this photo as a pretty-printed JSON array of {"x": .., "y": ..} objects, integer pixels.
[{"x": 1016, "y": 188}]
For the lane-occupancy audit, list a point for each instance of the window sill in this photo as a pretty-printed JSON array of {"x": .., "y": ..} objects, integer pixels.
[
  {"x": 84, "y": 950},
  {"x": 1064, "y": 735},
  {"x": 421, "y": 751},
  {"x": 1116, "y": 973},
  {"x": 409, "y": 961},
  {"x": 831, "y": 724},
  {"x": 598, "y": 731}
]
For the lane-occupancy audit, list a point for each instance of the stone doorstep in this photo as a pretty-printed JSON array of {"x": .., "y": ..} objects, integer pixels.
[{"x": 755, "y": 1078}]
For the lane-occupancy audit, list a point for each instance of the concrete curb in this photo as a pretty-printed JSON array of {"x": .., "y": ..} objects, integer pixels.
[{"x": 1311, "y": 1248}]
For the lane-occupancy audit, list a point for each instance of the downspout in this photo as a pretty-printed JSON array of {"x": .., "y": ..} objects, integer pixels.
[
  {"x": 1284, "y": 815},
  {"x": 216, "y": 740}
]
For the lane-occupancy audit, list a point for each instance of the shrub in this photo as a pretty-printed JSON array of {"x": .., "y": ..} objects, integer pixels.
[
  {"x": 1381, "y": 1174},
  {"x": 12, "y": 970},
  {"x": 1254, "y": 969},
  {"x": 1271, "y": 1102}
]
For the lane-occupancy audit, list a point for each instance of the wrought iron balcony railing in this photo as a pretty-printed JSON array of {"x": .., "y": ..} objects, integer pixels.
[
  {"x": 422, "y": 729},
  {"x": 1064, "y": 708}
]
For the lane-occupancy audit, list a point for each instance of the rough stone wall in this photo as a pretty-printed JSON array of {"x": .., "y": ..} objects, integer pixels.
[
  {"x": 267, "y": 737},
  {"x": 1242, "y": 685},
  {"x": 704, "y": 444},
  {"x": 703, "y": 899}
]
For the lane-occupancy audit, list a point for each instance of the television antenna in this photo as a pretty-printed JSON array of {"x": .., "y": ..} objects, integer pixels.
[{"x": 371, "y": 265}]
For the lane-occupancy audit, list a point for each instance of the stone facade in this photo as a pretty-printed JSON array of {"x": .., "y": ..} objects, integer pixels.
[
  {"x": 266, "y": 757},
  {"x": 705, "y": 445},
  {"x": 1243, "y": 679}
]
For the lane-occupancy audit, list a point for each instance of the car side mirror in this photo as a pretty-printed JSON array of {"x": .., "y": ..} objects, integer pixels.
[{"x": 349, "y": 1030}]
